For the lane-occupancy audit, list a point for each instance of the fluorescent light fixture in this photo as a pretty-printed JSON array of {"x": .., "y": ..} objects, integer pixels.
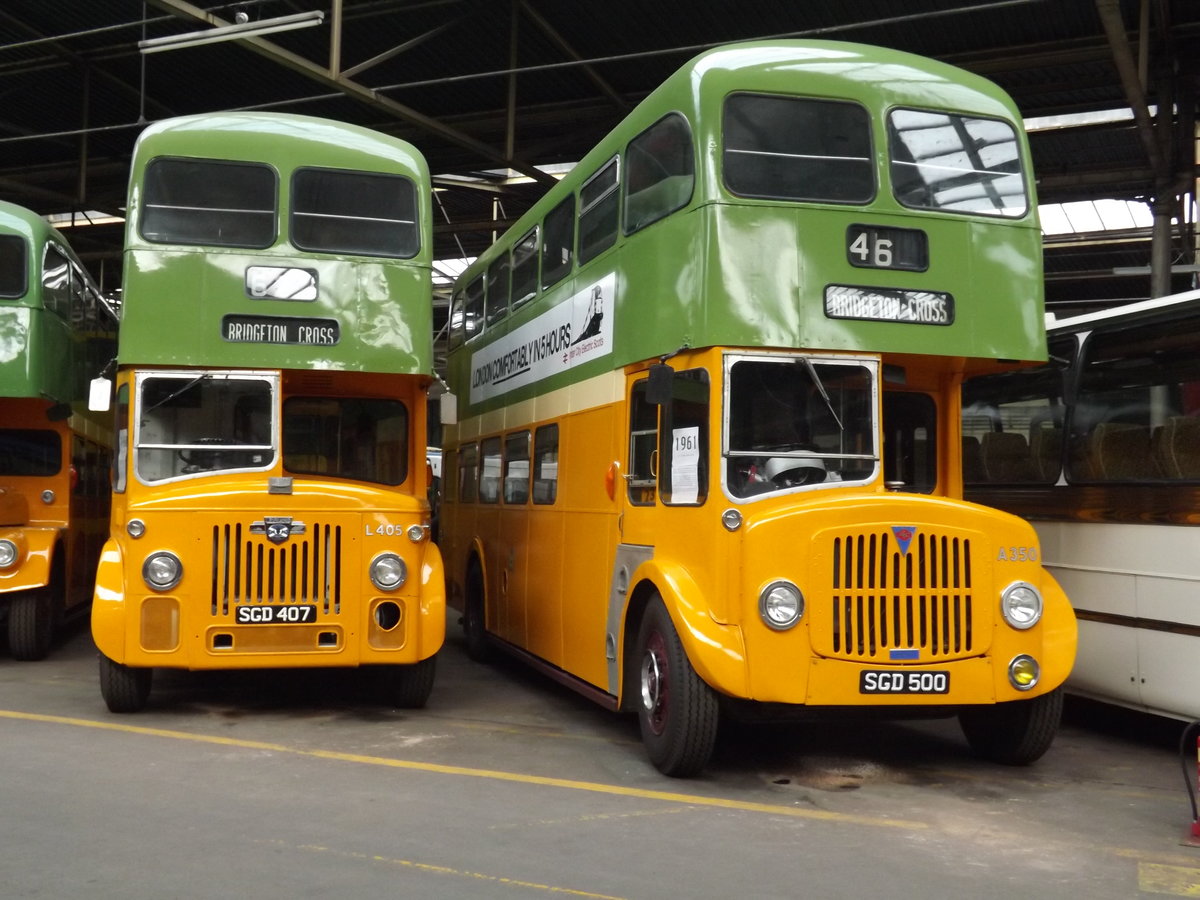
[{"x": 232, "y": 32}]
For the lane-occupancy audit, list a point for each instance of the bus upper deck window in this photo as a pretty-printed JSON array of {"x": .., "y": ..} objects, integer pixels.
[
  {"x": 598, "y": 211},
  {"x": 958, "y": 163},
  {"x": 363, "y": 213},
  {"x": 660, "y": 172},
  {"x": 794, "y": 148},
  {"x": 496, "y": 302},
  {"x": 524, "y": 268},
  {"x": 13, "y": 266},
  {"x": 472, "y": 309},
  {"x": 209, "y": 202},
  {"x": 558, "y": 242}
]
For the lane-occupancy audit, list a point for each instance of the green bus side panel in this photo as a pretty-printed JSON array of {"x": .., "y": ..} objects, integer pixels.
[
  {"x": 746, "y": 275},
  {"x": 40, "y": 357},
  {"x": 176, "y": 303}
]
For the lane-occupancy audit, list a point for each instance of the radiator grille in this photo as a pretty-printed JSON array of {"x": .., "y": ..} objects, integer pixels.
[
  {"x": 884, "y": 598},
  {"x": 248, "y": 569}
]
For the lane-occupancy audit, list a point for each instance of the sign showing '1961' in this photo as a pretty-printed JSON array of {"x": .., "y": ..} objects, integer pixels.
[{"x": 280, "y": 330}]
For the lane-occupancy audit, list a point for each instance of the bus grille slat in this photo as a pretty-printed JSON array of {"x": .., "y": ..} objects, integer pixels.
[
  {"x": 248, "y": 569},
  {"x": 884, "y": 598}
]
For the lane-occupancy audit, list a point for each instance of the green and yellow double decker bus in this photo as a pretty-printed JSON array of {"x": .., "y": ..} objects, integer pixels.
[
  {"x": 269, "y": 498},
  {"x": 706, "y": 454},
  {"x": 56, "y": 334}
]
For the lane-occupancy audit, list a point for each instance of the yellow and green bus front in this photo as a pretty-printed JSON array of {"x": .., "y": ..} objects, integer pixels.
[
  {"x": 54, "y": 456},
  {"x": 707, "y": 450},
  {"x": 270, "y": 491}
]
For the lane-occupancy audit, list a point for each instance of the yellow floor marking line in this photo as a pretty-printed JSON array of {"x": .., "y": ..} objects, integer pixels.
[
  {"x": 444, "y": 870},
  {"x": 492, "y": 774},
  {"x": 1177, "y": 881}
]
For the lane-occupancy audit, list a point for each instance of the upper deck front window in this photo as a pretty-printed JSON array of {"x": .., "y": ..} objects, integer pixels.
[
  {"x": 362, "y": 213},
  {"x": 955, "y": 162},
  {"x": 793, "y": 421},
  {"x": 795, "y": 148},
  {"x": 13, "y": 266},
  {"x": 189, "y": 424},
  {"x": 208, "y": 202}
]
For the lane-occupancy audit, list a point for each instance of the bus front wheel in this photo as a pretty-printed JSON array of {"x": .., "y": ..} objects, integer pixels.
[
  {"x": 125, "y": 689},
  {"x": 677, "y": 711},
  {"x": 409, "y": 686},
  {"x": 1014, "y": 733},
  {"x": 31, "y": 624}
]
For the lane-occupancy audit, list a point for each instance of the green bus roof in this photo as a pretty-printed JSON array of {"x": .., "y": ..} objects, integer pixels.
[{"x": 193, "y": 305}]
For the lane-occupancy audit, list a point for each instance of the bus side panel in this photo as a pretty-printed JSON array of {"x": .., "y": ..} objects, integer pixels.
[
  {"x": 589, "y": 539},
  {"x": 543, "y": 585},
  {"x": 486, "y": 526},
  {"x": 515, "y": 574}
]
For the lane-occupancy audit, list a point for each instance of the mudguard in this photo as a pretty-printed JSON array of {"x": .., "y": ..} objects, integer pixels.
[{"x": 716, "y": 652}]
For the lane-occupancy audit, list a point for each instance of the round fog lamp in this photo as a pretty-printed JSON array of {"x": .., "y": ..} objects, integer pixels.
[
  {"x": 388, "y": 571},
  {"x": 135, "y": 528},
  {"x": 162, "y": 571},
  {"x": 781, "y": 605},
  {"x": 1021, "y": 605},
  {"x": 416, "y": 533},
  {"x": 8, "y": 553},
  {"x": 1024, "y": 672}
]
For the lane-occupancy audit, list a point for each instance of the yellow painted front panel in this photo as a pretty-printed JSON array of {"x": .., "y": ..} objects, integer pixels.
[
  {"x": 835, "y": 682},
  {"x": 228, "y": 567}
]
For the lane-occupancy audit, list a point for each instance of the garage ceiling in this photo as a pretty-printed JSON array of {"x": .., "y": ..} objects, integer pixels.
[{"x": 483, "y": 87}]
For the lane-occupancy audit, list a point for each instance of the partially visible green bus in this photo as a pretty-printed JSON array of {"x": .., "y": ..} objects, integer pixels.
[
  {"x": 270, "y": 501},
  {"x": 707, "y": 449},
  {"x": 56, "y": 334}
]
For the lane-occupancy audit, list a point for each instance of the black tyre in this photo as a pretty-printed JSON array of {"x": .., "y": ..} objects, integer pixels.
[
  {"x": 31, "y": 624},
  {"x": 125, "y": 689},
  {"x": 408, "y": 687},
  {"x": 677, "y": 711},
  {"x": 473, "y": 621},
  {"x": 1014, "y": 733}
]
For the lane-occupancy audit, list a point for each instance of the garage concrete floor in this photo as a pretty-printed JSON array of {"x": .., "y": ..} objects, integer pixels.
[{"x": 298, "y": 784}]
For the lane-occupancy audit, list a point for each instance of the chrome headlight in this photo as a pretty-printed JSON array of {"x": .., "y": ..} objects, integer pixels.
[
  {"x": 1021, "y": 605},
  {"x": 1024, "y": 672},
  {"x": 388, "y": 571},
  {"x": 162, "y": 570},
  {"x": 781, "y": 605},
  {"x": 8, "y": 553}
]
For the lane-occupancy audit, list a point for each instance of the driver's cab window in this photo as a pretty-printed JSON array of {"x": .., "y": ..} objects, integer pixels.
[
  {"x": 796, "y": 422},
  {"x": 189, "y": 424}
]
